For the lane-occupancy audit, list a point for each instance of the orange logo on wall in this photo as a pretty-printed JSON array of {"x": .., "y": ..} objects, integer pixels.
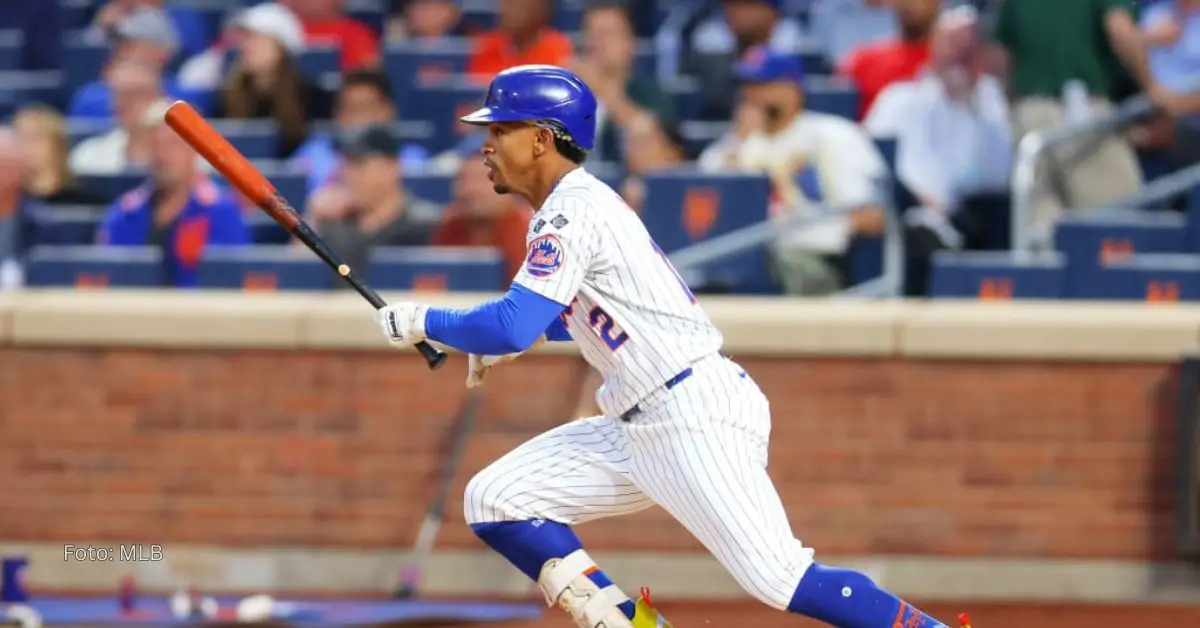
[
  {"x": 430, "y": 283},
  {"x": 701, "y": 208},
  {"x": 91, "y": 280},
  {"x": 1114, "y": 249},
  {"x": 1162, "y": 292},
  {"x": 996, "y": 289},
  {"x": 260, "y": 281}
]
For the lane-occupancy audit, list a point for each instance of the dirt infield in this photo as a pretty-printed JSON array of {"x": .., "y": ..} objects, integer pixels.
[{"x": 990, "y": 615}]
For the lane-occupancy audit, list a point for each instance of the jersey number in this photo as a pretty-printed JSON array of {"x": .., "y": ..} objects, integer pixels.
[
  {"x": 686, "y": 290},
  {"x": 604, "y": 326},
  {"x": 601, "y": 322}
]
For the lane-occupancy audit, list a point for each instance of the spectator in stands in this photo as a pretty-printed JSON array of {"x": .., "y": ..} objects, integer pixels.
[
  {"x": 1065, "y": 64},
  {"x": 42, "y": 25},
  {"x": 717, "y": 44},
  {"x": 365, "y": 98},
  {"x": 838, "y": 27},
  {"x": 43, "y": 135},
  {"x": 144, "y": 35},
  {"x": 189, "y": 23},
  {"x": 480, "y": 217},
  {"x": 816, "y": 162},
  {"x": 370, "y": 207},
  {"x": 609, "y": 50},
  {"x": 423, "y": 19},
  {"x": 872, "y": 67},
  {"x": 649, "y": 147},
  {"x": 326, "y": 24},
  {"x": 266, "y": 82},
  {"x": 1172, "y": 31},
  {"x": 134, "y": 88},
  {"x": 179, "y": 209},
  {"x": 524, "y": 36},
  {"x": 954, "y": 146},
  {"x": 205, "y": 70},
  {"x": 16, "y": 209}
]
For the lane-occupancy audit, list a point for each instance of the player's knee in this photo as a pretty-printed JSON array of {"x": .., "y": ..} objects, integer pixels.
[
  {"x": 484, "y": 498},
  {"x": 773, "y": 581}
]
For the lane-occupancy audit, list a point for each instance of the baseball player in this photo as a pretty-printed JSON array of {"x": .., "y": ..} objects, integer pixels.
[{"x": 683, "y": 426}]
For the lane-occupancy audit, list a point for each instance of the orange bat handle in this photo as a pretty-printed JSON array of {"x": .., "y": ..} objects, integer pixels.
[{"x": 217, "y": 150}]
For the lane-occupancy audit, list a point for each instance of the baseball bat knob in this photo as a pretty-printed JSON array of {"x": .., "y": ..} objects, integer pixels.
[{"x": 434, "y": 357}]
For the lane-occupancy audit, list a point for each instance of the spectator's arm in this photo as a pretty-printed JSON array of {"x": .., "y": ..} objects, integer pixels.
[
  {"x": 115, "y": 229},
  {"x": 721, "y": 155},
  {"x": 996, "y": 123},
  {"x": 885, "y": 118},
  {"x": 1127, "y": 40},
  {"x": 225, "y": 225}
]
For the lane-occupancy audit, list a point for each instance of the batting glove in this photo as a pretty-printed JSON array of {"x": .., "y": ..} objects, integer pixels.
[{"x": 403, "y": 324}]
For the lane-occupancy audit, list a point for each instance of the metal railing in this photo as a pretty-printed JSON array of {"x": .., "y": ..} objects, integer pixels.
[
  {"x": 690, "y": 260},
  {"x": 1033, "y": 149}
]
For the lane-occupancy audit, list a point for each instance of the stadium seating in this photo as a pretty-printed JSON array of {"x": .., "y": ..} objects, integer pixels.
[
  {"x": 95, "y": 267},
  {"x": 1091, "y": 242},
  {"x": 997, "y": 275},
  {"x": 437, "y": 269},
  {"x": 10, "y": 50},
  {"x": 23, "y": 88},
  {"x": 684, "y": 207},
  {"x": 67, "y": 225},
  {"x": 82, "y": 63},
  {"x": 1154, "y": 277},
  {"x": 263, "y": 268}
]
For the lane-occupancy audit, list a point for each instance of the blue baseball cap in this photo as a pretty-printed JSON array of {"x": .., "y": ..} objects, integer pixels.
[{"x": 762, "y": 65}]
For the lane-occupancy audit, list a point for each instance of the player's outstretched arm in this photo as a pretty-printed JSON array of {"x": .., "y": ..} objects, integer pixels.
[{"x": 508, "y": 325}]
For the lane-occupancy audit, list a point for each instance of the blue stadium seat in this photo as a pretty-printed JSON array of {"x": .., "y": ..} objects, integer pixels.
[
  {"x": 112, "y": 186},
  {"x": 1159, "y": 277},
  {"x": 456, "y": 269},
  {"x": 256, "y": 139},
  {"x": 831, "y": 96},
  {"x": 317, "y": 62},
  {"x": 82, "y": 64},
  {"x": 815, "y": 62},
  {"x": 684, "y": 91},
  {"x": 11, "y": 43},
  {"x": 263, "y": 268},
  {"x": 95, "y": 267},
  {"x": 413, "y": 64},
  {"x": 441, "y": 104},
  {"x": 997, "y": 275},
  {"x": 698, "y": 134},
  {"x": 264, "y": 229},
  {"x": 25, "y": 88},
  {"x": 478, "y": 15},
  {"x": 67, "y": 224},
  {"x": 1091, "y": 241},
  {"x": 684, "y": 207},
  {"x": 75, "y": 14},
  {"x": 373, "y": 13},
  {"x": 1192, "y": 241},
  {"x": 435, "y": 188}
]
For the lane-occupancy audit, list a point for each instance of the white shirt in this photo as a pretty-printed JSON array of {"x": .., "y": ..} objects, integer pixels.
[
  {"x": 817, "y": 163},
  {"x": 945, "y": 149},
  {"x": 100, "y": 155},
  {"x": 634, "y": 319}
]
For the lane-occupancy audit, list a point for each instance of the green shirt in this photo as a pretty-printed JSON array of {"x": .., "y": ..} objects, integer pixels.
[{"x": 1054, "y": 41}]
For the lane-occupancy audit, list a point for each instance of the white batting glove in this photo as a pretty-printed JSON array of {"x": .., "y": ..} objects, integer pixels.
[{"x": 403, "y": 323}]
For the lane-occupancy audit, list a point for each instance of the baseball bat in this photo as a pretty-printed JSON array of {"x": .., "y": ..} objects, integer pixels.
[
  {"x": 217, "y": 150},
  {"x": 464, "y": 424}
]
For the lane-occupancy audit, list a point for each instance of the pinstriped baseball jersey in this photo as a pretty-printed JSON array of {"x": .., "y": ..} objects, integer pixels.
[{"x": 633, "y": 317}]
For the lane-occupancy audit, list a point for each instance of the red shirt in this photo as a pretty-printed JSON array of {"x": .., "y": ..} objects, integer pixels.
[
  {"x": 873, "y": 67},
  {"x": 360, "y": 45},
  {"x": 495, "y": 52},
  {"x": 505, "y": 232}
]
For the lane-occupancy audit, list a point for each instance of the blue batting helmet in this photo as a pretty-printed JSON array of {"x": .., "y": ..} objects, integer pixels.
[{"x": 541, "y": 93}]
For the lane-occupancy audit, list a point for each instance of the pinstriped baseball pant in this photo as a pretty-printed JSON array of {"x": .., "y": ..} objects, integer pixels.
[{"x": 698, "y": 450}]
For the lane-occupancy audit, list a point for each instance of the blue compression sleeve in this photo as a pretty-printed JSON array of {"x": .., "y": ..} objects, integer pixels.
[
  {"x": 510, "y": 324},
  {"x": 557, "y": 331}
]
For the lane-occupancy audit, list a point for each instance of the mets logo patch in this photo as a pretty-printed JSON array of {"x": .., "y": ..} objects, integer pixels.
[{"x": 545, "y": 256}]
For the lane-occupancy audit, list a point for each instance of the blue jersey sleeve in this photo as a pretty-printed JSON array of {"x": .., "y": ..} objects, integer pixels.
[
  {"x": 557, "y": 331},
  {"x": 510, "y": 324}
]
